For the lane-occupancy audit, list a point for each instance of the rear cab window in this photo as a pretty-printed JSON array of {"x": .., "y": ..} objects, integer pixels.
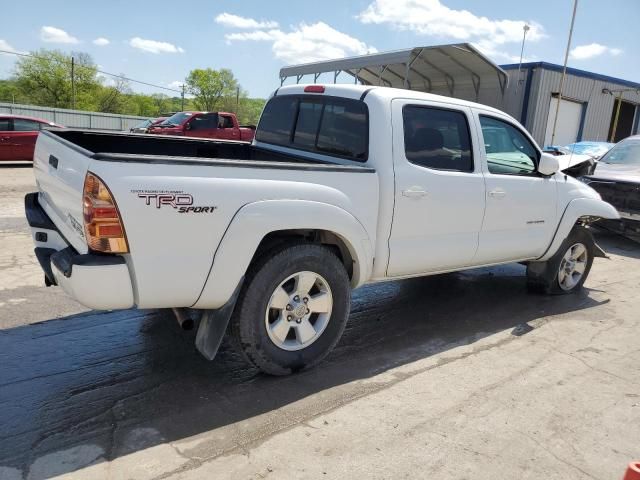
[{"x": 326, "y": 125}]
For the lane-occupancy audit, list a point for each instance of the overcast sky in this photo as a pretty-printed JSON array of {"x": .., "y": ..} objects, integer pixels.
[{"x": 160, "y": 41}]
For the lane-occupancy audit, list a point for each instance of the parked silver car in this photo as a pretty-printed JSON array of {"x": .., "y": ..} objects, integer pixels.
[{"x": 617, "y": 179}]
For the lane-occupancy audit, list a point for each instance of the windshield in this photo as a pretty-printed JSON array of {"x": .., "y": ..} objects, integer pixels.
[
  {"x": 177, "y": 119},
  {"x": 144, "y": 124},
  {"x": 593, "y": 149},
  {"x": 626, "y": 152}
]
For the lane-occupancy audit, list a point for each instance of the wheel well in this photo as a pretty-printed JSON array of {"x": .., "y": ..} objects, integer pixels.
[{"x": 280, "y": 238}]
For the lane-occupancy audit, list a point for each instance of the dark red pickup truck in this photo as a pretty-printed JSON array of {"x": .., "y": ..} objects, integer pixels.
[{"x": 220, "y": 125}]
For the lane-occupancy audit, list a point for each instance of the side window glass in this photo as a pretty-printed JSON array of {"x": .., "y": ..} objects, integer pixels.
[
  {"x": 508, "y": 151},
  {"x": 205, "y": 122},
  {"x": 437, "y": 138},
  {"x": 23, "y": 125},
  {"x": 225, "y": 122},
  {"x": 4, "y": 124}
]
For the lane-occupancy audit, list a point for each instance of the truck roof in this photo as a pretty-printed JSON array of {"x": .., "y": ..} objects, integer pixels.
[{"x": 356, "y": 91}]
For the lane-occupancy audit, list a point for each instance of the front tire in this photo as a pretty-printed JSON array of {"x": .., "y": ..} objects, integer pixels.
[
  {"x": 292, "y": 309},
  {"x": 568, "y": 269}
]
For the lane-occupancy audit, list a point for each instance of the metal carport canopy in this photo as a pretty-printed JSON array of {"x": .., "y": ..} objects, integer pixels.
[{"x": 456, "y": 70}]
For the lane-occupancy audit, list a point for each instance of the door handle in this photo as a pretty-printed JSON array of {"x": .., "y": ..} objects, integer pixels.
[
  {"x": 414, "y": 192},
  {"x": 497, "y": 193}
]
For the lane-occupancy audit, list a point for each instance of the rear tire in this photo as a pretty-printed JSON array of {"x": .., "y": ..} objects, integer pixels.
[
  {"x": 568, "y": 269},
  {"x": 292, "y": 309}
]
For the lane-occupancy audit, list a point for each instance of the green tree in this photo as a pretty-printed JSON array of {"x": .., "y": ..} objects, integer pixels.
[
  {"x": 9, "y": 92},
  {"x": 45, "y": 78},
  {"x": 210, "y": 86},
  {"x": 114, "y": 98},
  {"x": 142, "y": 105}
]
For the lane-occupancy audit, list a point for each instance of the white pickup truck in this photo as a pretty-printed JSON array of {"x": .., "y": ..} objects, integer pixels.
[{"x": 342, "y": 186}]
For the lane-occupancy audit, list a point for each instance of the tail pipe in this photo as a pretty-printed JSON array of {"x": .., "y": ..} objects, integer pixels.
[{"x": 184, "y": 319}]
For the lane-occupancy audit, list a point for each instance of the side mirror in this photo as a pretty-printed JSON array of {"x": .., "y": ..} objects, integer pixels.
[
  {"x": 187, "y": 126},
  {"x": 548, "y": 164}
]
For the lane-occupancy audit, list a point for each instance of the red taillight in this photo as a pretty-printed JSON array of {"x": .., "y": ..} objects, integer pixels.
[
  {"x": 102, "y": 224},
  {"x": 314, "y": 89}
]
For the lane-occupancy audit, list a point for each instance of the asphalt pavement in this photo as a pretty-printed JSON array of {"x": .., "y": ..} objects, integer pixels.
[{"x": 455, "y": 376}]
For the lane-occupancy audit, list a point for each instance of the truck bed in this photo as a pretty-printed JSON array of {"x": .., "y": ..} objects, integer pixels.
[
  {"x": 171, "y": 251},
  {"x": 126, "y": 147}
]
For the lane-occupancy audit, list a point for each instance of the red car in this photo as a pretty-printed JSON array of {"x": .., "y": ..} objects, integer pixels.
[
  {"x": 18, "y": 136},
  {"x": 219, "y": 125}
]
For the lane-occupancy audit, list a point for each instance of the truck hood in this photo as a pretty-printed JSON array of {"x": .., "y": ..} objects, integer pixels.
[
  {"x": 568, "y": 161},
  {"x": 617, "y": 172}
]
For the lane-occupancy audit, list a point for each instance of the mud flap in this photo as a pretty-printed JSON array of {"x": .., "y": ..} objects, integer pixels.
[
  {"x": 598, "y": 251},
  {"x": 213, "y": 325}
]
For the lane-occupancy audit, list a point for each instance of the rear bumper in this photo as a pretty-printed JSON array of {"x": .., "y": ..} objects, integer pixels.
[{"x": 101, "y": 282}]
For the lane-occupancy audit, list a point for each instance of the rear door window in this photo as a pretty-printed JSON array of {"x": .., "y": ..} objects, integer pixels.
[
  {"x": 207, "y": 121},
  {"x": 225, "y": 121},
  {"x": 328, "y": 125},
  {"x": 24, "y": 125},
  {"x": 4, "y": 124},
  {"x": 437, "y": 138}
]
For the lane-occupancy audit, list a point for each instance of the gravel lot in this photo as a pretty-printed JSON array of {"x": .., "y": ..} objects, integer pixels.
[{"x": 451, "y": 377}]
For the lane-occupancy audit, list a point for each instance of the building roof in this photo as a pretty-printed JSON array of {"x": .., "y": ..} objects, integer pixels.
[
  {"x": 453, "y": 70},
  {"x": 572, "y": 71}
]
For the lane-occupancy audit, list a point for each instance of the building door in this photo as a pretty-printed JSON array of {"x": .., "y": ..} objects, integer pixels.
[
  {"x": 625, "y": 120},
  {"x": 568, "y": 124}
]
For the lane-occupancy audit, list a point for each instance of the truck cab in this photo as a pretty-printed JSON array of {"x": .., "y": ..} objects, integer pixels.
[{"x": 217, "y": 125}]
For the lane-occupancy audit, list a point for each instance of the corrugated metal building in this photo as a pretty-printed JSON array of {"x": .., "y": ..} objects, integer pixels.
[
  {"x": 587, "y": 110},
  {"x": 74, "y": 118}
]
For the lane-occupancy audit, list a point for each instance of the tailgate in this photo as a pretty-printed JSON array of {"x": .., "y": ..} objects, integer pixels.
[{"x": 60, "y": 168}]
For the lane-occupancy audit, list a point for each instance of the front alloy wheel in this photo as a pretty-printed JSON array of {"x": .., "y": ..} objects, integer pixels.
[{"x": 572, "y": 266}]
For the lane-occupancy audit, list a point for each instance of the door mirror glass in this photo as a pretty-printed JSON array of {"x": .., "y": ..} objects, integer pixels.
[
  {"x": 548, "y": 164},
  {"x": 187, "y": 126}
]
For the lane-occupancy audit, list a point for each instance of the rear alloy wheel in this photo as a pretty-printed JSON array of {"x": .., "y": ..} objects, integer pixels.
[
  {"x": 292, "y": 309},
  {"x": 298, "y": 311}
]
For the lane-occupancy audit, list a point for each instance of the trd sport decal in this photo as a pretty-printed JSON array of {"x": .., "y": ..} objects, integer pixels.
[{"x": 182, "y": 202}]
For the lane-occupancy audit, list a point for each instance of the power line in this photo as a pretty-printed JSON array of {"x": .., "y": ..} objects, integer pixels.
[{"x": 69, "y": 62}]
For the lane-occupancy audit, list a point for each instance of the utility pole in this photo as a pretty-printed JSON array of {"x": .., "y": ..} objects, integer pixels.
[
  {"x": 183, "y": 86},
  {"x": 564, "y": 72},
  {"x": 525, "y": 29},
  {"x": 237, "y": 100},
  {"x": 73, "y": 83}
]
